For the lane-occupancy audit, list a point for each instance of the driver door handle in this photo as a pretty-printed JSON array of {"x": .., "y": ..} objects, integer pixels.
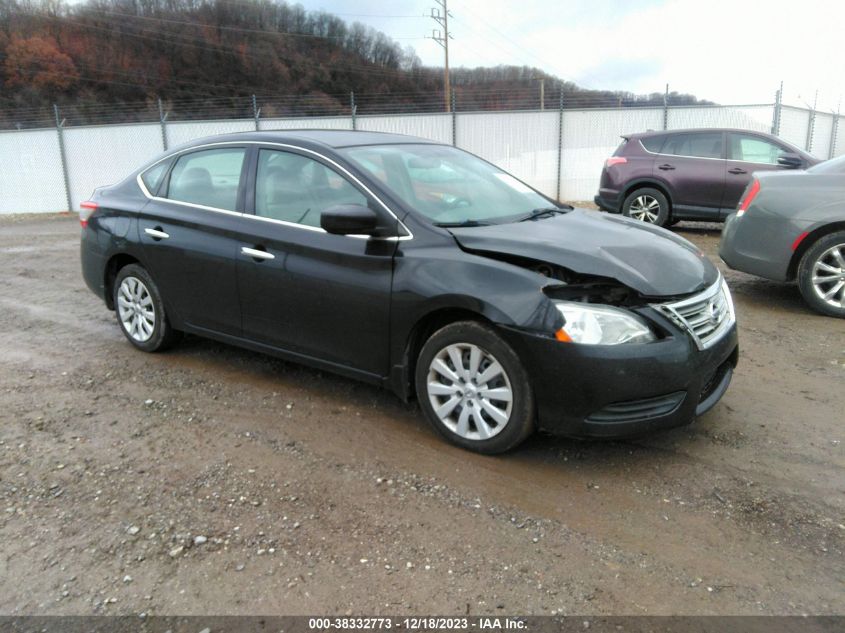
[
  {"x": 666, "y": 167},
  {"x": 256, "y": 254},
  {"x": 737, "y": 170},
  {"x": 156, "y": 233}
]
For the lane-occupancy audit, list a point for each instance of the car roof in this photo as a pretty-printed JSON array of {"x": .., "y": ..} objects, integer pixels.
[
  {"x": 326, "y": 138},
  {"x": 692, "y": 129}
]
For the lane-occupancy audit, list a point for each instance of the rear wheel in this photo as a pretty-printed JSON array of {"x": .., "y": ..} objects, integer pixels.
[
  {"x": 140, "y": 310},
  {"x": 821, "y": 275},
  {"x": 473, "y": 389},
  {"x": 647, "y": 205}
]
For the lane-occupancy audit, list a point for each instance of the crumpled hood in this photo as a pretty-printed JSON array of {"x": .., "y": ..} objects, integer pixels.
[{"x": 651, "y": 260}]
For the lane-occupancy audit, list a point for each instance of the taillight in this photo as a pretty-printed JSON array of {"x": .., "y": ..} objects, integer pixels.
[
  {"x": 615, "y": 160},
  {"x": 748, "y": 198},
  {"x": 88, "y": 209}
]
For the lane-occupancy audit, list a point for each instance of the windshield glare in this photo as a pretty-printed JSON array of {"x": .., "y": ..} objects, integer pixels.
[{"x": 447, "y": 185}]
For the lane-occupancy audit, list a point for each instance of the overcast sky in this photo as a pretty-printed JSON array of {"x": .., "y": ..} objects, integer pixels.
[{"x": 729, "y": 51}]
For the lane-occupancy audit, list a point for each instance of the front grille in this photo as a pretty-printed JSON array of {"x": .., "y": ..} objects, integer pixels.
[
  {"x": 635, "y": 410},
  {"x": 706, "y": 316}
]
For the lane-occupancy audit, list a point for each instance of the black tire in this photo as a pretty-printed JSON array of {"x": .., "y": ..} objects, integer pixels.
[
  {"x": 822, "y": 252},
  {"x": 519, "y": 423},
  {"x": 642, "y": 200},
  {"x": 160, "y": 335}
]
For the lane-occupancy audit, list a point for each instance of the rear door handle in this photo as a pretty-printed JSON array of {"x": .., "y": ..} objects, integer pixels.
[
  {"x": 666, "y": 167},
  {"x": 156, "y": 233},
  {"x": 737, "y": 170},
  {"x": 256, "y": 254}
]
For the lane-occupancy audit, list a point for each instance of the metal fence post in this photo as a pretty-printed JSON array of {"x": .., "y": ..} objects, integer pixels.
[
  {"x": 776, "y": 113},
  {"x": 559, "y": 143},
  {"x": 811, "y": 125},
  {"x": 666, "y": 108},
  {"x": 454, "y": 121},
  {"x": 162, "y": 118},
  {"x": 60, "y": 132},
  {"x": 256, "y": 112},
  {"x": 834, "y": 131},
  {"x": 353, "y": 109}
]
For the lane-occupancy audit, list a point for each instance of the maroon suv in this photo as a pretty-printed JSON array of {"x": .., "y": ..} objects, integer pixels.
[{"x": 664, "y": 177}]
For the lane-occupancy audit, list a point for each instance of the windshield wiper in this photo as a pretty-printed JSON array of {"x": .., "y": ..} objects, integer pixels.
[
  {"x": 542, "y": 212},
  {"x": 464, "y": 223}
]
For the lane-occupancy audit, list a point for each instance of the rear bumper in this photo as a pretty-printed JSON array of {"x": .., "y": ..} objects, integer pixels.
[
  {"x": 759, "y": 243},
  {"x": 625, "y": 390},
  {"x": 607, "y": 201}
]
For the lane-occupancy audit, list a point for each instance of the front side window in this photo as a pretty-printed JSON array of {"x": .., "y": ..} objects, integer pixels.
[
  {"x": 447, "y": 185},
  {"x": 753, "y": 149},
  {"x": 700, "y": 145},
  {"x": 297, "y": 189},
  {"x": 209, "y": 177}
]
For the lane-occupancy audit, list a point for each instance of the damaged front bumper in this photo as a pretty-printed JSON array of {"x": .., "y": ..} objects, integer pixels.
[{"x": 626, "y": 390}]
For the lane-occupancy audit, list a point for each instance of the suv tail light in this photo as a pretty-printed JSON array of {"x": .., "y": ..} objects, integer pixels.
[
  {"x": 615, "y": 160},
  {"x": 748, "y": 198},
  {"x": 88, "y": 209}
]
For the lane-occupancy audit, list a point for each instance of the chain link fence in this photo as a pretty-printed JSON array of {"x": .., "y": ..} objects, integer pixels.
[{"x": 557, "y": 144}]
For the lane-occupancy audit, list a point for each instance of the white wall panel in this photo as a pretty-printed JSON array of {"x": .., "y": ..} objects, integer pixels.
[
  {"x": 589, "y": 137},
  {"x": 436, "y": 127},
  {"x": 182, "y": 132},
  {"x": 104, "y": 155},
  {"x": 523, "y": 143},
  {"x": 31, "y": 172}
]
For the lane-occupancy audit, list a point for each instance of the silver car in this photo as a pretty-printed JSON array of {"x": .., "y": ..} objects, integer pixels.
[{"x": 791, "y": 226}]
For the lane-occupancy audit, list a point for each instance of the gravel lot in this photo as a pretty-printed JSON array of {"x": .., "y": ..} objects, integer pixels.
[{"x": 212, "y": 480}]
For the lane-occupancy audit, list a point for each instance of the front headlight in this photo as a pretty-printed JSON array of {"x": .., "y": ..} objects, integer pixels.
[{"x": 600, "y": 325}]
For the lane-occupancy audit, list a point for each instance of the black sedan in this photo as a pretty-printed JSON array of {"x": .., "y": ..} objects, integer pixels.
[{"x": 421, "y": 268}]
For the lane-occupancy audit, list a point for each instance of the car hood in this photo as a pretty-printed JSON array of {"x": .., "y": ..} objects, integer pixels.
[{"x": 646, "y": 258}]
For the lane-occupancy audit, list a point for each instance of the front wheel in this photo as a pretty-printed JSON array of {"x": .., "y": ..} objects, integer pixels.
[
  {"x": 140, "y": 310},
  {"x": 821, "y": 275},
  {"x": 473, "y": 389},
  {"x": 647, "y": 205}
]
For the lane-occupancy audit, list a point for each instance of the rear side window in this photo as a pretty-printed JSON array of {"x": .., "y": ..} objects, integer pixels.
[
  {"x": 653, "y": 143},
  {"x": 154, "y": 175},
  {"x": 209, "y": 178},
  {"x": 699, "y": 145},
  {"x": 753, "y": 149}
]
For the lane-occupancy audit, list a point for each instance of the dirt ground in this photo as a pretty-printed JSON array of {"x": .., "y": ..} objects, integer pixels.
[{"x": 211, "y": 480}]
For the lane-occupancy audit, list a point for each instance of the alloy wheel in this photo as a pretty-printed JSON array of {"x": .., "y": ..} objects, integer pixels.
[
  {"x": 136, "y": 309},
  {"x": 645, "y": 208},
  {"x": 469, "y": 391},
  {"x": 829, "y": 276}
]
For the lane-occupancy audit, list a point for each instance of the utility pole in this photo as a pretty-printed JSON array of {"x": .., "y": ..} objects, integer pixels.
[
  {"x": 441, "y": 16},
  {"x": 542, "y": 81}
]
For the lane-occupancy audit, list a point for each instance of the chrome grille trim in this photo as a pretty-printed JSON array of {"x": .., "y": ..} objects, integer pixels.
[{"x": 706, "y": 317}]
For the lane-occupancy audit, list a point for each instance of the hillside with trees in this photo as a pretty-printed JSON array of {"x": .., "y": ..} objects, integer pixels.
[{"x": 111, "y": 60}]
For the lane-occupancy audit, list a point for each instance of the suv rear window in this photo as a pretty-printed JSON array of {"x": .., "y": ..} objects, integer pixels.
[
  {"x": 698, "y": 145},
  {"x": 653, "y": 143}
]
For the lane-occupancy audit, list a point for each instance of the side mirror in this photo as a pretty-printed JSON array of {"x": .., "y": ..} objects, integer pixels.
[
  {"x": 349, "y": 219},
  {"x": 790, "y": 160}
]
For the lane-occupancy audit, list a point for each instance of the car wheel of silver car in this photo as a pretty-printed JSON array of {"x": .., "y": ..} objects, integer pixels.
[
  {"x": 821, "y": 275},
  {"x": 647, "y": 205},
  {"x": 140, "y": 310},
  {"x": 473, "y": 388}
]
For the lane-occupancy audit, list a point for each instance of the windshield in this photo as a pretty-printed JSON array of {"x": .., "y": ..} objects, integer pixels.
[
  {"x": 447, "y": 185},
  {"x": 832, "y": 166}
]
